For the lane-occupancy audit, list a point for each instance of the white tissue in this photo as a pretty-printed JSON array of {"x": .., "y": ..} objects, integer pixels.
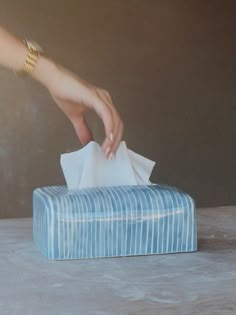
[{"x": 88, "y": 167}]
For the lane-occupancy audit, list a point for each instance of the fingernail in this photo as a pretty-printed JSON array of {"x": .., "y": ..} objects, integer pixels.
[
  {"x": 111, "y": 137},
  {"x": 111, "y": 156},
  {"x": 107, "y": 150}
]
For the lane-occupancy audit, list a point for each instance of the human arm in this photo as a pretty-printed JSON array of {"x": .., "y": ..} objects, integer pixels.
[{"x": 73, "y": 95}]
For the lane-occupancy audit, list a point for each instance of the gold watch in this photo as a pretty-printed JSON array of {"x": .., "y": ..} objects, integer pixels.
[{"x": 34, "y": 52}]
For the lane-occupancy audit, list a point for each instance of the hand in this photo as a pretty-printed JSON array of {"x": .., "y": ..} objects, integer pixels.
[{"x": 75, "y": 96}]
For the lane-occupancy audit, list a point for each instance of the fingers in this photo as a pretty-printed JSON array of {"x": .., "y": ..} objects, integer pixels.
[
  {"x": 118, "y": 137},
  {"x": 118, "y": 125},
  {"x": 105, "y": 113},
  {"x": 111, "y": 143},
  {"x": 109, "y": 148},
  {"x": 82, "y": 130},
  {"x": 75, "y": 114}
]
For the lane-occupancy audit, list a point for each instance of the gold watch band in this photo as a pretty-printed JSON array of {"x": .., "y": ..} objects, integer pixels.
[{"x": 34, "y": 52}]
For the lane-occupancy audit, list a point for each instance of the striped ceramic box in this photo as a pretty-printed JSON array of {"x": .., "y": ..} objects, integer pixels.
[{"x": 113, "y": 221}]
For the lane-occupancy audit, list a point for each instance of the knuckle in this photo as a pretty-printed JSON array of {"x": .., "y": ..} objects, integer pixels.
[
  {"x": 95, "y": 92},
  {"x": 106, "y": 93}
]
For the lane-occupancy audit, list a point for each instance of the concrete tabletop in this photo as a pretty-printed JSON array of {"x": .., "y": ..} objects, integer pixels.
[{"x": 192, "y": 283}]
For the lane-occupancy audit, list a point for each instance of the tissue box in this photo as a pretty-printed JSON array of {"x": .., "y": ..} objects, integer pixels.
[{"x": 113, "y": 221}]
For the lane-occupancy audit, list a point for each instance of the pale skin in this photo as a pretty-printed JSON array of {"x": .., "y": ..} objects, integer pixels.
[{"x": 73, "y": 95}]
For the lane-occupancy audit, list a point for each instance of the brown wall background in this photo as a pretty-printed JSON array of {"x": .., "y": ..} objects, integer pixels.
[{"x": 168, "y": 66}]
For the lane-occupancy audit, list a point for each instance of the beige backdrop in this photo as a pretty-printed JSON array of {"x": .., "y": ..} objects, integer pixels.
[{"x": 167, "y": 65}]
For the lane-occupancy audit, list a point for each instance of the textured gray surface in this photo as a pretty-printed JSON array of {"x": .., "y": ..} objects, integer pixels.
[{"x": 196, "y": 283}]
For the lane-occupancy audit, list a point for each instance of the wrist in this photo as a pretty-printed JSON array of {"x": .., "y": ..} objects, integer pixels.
[{"x": 45, "y": 71}]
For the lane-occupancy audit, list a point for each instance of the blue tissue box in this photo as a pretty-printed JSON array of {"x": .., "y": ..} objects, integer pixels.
[{"x": 113, "y": 221}]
